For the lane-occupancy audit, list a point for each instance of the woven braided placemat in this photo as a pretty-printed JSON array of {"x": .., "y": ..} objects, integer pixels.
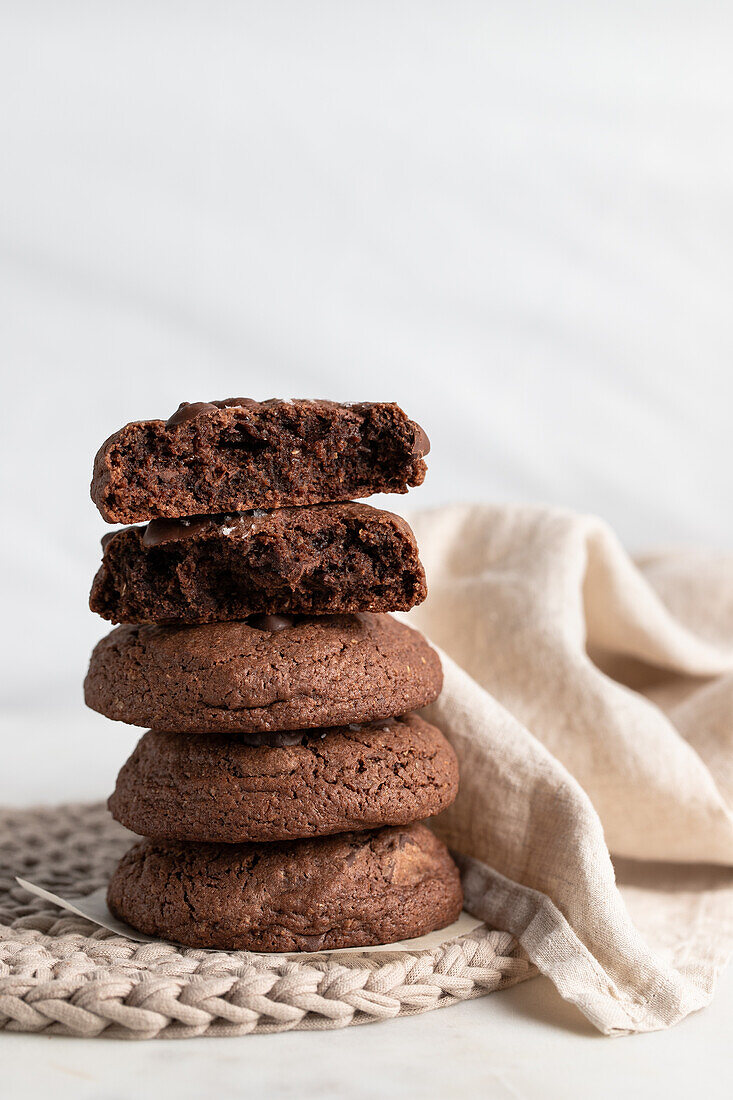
[{"x": 60, "y": 974}]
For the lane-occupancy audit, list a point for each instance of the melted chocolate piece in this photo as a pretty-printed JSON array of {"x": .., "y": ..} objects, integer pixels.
[
  {"x": 273, "y": 623},
  {"x": 160, "y": 531},
  {"x": 421, "y": 443},
  {"x": 243, "y": 402},
  {"x": 107, "y": 539},
  {"x": 378, "y": 724},
  {"x": 282, "y": 739},
  {"x": 189, "y": 411}
]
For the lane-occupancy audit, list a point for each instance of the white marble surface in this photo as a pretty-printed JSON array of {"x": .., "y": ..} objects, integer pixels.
[{"x": 522, "y": 1043}]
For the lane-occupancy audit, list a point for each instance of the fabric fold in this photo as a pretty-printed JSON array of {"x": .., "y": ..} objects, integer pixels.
[{"x": 590, "y": 707}]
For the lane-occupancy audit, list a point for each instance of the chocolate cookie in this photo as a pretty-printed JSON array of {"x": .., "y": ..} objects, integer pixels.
[
  {"x": 326, "y": 558},
  {"x": 351, "y": 890},
  {"x": 218, "y": 787},
  {"x": 225, "y": 456},
  {"x": 269, "y": 673}
]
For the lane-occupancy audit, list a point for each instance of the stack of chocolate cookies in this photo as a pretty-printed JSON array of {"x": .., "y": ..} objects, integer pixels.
[{"x": 282, "y": 780}]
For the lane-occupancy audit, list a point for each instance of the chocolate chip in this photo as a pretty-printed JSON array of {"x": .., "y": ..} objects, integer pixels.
[
  {"x": 273, "y": 623},
  {"x": 189, "y": 411}
]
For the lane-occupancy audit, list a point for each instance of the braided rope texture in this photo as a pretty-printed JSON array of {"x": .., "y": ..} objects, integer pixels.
[{"x": 62, "y": 975}]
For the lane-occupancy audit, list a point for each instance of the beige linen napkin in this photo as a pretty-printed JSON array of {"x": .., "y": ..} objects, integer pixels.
[{"x": 590, "y": 701}]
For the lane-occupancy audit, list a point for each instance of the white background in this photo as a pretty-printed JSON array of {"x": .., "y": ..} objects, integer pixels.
[{"x": 515, "y": 219}]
